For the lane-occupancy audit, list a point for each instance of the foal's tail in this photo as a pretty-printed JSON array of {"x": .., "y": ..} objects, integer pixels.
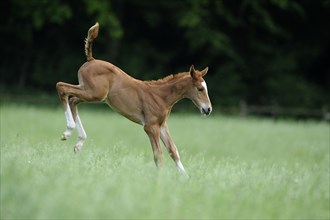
[{"x": 92, "y": 34}]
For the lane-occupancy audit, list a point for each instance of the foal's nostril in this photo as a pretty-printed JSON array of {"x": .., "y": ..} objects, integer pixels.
[{"x": 206, "y": 111}]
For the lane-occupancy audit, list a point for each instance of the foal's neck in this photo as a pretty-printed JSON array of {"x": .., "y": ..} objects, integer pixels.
[{"x": 174, "y": 90}]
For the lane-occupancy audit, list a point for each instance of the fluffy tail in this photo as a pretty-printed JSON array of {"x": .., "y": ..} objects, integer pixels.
[{"x": 92, "y": 34}]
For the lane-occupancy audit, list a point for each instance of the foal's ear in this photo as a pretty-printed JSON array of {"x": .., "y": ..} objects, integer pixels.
[
  {"x": 204, "y": 71},
  {"x": 193, "y": 72}
]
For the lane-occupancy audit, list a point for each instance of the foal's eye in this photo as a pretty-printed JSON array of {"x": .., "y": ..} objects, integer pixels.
[{"x": 200, "y": 89}]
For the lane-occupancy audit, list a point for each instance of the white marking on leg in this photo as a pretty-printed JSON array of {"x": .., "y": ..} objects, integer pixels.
[
  {"x": 81, "y": 134},
  {"x": 70, "y": 124},
  {"x": 167, "y": 141},
  {"x": 180, "y": 166}
]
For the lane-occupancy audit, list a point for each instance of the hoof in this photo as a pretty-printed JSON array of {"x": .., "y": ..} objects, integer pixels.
[
  {"x": 63, "y": 137},
  {"x": 66, "y": 134},
  {"x": 185, "y": 175},
  {"x": 76, "y": 149}
]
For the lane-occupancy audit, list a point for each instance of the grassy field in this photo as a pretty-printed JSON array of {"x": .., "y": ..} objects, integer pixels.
[{"x": 239, "y": 168}]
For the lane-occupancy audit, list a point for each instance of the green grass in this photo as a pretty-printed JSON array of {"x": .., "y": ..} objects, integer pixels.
[{"x": 239, "y": 168}]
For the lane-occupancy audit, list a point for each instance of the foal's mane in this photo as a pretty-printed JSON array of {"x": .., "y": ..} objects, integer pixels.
[{"x": 168, "y": 79}]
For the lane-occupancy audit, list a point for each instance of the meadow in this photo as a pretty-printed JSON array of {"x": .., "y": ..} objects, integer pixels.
[{"x": 249, "y": 168}]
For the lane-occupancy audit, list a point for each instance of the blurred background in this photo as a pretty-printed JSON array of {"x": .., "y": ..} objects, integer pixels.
[{"x": 264, "y": 57}]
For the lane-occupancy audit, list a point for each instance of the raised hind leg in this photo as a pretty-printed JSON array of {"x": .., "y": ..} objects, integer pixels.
[
  {"x": 64, "y": 97},
  {"x": 74, "y": 101},
  {"x": 168, "y": 142},
  {"x": 77, "y": 94}
]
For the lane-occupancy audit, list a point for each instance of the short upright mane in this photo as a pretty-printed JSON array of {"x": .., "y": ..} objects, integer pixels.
[{"x": 168, "y": 79}]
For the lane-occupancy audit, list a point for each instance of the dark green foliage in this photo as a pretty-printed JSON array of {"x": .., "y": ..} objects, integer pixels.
[{"x": 263, "y": 52}]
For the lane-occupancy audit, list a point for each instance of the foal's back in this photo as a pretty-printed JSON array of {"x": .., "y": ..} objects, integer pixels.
[
  {"x": 101, "y": 70},
  {"x": 120, "y": 91}
]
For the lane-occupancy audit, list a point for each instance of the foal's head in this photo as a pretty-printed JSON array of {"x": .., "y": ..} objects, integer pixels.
[{"x": 198, "y": 91}]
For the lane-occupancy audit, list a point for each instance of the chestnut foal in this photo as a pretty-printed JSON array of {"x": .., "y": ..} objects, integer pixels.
[{"x": 147, "y": 103}]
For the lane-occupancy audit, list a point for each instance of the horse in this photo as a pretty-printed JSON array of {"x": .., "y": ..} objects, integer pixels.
[{"x": 147, "y": 103}]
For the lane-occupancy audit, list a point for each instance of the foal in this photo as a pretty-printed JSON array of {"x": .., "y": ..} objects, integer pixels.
[{"x": 147, "y": 103}]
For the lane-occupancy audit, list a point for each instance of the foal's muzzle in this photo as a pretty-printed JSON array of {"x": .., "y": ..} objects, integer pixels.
[{"x": 206, "y": 110}]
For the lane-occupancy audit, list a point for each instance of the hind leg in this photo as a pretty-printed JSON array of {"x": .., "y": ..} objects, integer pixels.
[
  {"x": 70, "y": 123},
  {"x": 70, "y": 96},
  {"x": 74, "y": 101}
]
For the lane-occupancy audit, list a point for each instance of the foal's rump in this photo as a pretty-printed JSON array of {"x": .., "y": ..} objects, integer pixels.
[{"x": 96, "y": 78}]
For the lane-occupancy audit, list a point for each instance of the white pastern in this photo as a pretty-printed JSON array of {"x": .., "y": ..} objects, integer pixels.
[
  {"x": 81, "y": 134},
  {"x": 180, "y": 166},
  {"x": 69, "y": 119},
  {"x": 70, "y": 124}
]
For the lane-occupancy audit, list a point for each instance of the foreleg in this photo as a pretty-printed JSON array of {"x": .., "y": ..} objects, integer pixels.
[
  {"x": 172, "y": 149},
  {"x": 153, "y": 133}
]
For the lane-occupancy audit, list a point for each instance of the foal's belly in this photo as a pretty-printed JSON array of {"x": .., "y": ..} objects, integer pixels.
[{"x": 128, "y": 105}]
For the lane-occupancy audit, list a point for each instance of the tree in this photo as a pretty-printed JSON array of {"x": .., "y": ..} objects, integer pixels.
[{"x": 263, "y": 52}]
